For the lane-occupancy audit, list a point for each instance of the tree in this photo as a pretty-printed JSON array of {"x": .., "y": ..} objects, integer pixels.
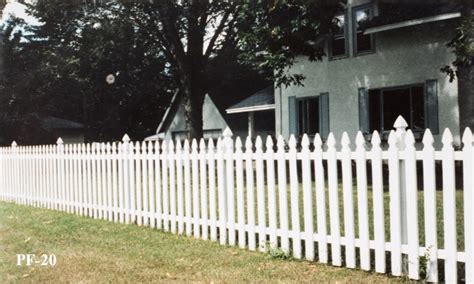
[
  {"x": 462, "y": 66},
  {"x": 193, "y": 31}
]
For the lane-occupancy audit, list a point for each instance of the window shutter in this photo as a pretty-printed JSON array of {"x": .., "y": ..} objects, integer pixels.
[
  {"x": 431, "y": 106},
  {"x": 324, "y": 115},
  {"x": 364, "y": 124},
  {"x": 292, "y": 115}
]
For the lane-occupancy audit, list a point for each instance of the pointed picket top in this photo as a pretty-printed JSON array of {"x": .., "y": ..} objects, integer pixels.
[
  {"x": 269, "y": 143},
  {"x": 331, "y": 140},
  {"x": 202, "y": 145},
  {"x": 107, "y": 147},
  {"x": 219, "y": 144},
  {"x": 82, "y": 148},
  {"x": 400, "y": 123},
  {"x": 467, "y": 137},
  {"x": 376, "y": 141},
  {"x": 150, "y": 147},
  {"x": 392, "y": 138},
  {"x": 186, "y": 145},
  {"x": 194, "y": 145},
  {"x": 360, "y": 140},
  {"x": 447, "y": 138},
  {"x": 248, "y": 144},
  {"x": 114, "y": 147},
  {"x": 178, "y": 145},
  {"x": 14, "y": 144},
  {"x": 409, "y": 138},
  {"x": 305, "y": 141},
  {"x": 144, "y": 147},
  {"x": 227, "y": 133},
  {"x": 238, "y": 144},
  {"x": 126, "y": 138},
  {"x": 428, "y": 138},
  {"x": 281, "y": 143},
  {"x": 292, "y": 142},
  {"x": 345, "y": 140},
  {"x": 318, "y": 142},
  {"x": 163, "y": 146},
  {"x": 171, "y": 145},
  {"x": 258, "y": 143},
  {"x": 137, "y": 147},
  {"x": 88, "y": 147},
  {"x": 210, "y": 144},
  {"x": 59, "y": 141}
]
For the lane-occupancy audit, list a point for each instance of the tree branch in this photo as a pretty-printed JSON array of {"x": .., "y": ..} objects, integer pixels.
[{"x": 218, "y": 32}]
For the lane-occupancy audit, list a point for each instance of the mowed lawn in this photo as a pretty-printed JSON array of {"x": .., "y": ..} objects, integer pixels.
[{"x": 94, "y": 250}]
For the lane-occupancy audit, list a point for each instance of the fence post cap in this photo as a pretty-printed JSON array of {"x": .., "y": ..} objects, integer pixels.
[
  {"x": 14, "y": 144},
  {"x": 59, "y": 141},
  {"x": 227, "y": 133},
  {"x": 400, "y": 123},
  {"x": 125, "y": 138}
]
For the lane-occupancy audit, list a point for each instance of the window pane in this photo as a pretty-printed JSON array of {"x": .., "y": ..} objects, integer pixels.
[
  {"x": 374, "y": 110},
  {"x": 308, "y": 116},
  {"x": 301, "y": 111},
  {"x": 338, "y": 26},
  {"x": 338, "y": 41},
  {"x": 338, "y": 46},
  {"x": 418, "y": 108},
  {"x": 364, "y": 42},
  {"x": 395, "y": 103},
  {"x": 313, "y": 116}
]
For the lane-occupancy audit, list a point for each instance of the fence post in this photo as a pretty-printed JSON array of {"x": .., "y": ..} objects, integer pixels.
[{"x": 400, "y": 126}]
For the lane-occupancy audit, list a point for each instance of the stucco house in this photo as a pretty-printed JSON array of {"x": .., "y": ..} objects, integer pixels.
[
  {"x": 384, "y": 60},
  {"x": 252, "y": 116}
]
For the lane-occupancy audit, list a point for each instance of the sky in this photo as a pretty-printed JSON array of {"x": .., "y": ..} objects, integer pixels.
[{"x": 18, "y": 10}]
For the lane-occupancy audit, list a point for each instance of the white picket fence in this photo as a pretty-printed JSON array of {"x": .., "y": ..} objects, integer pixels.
[{"x": 223, "y": 193}]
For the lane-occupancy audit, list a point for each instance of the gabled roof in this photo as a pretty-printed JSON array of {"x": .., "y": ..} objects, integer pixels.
[
  {"x": 221, "y": 101},
  {"x": 397, "y": 14},
  {"x": 261, "y": 100}
]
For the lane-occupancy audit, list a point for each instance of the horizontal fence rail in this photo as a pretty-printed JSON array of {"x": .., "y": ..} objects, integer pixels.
[{"x": 397, "y": 210}]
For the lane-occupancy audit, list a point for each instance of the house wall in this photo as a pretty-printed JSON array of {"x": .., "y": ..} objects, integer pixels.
[
  {"x": 404, "y": 56},
  {"x": 212, "y": 119}
]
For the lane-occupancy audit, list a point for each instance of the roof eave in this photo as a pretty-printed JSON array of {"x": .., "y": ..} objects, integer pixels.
[
  {"x": 414, "y": 22},
  {"x": 251, "y": 109}
]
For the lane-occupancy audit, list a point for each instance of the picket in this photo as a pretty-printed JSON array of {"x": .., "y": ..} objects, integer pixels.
[
  {"x": 449, "y": 208},
  {"x": 348, "y": 201},
  {"x": 429, "y": 196},
  {"x": 307, "y": 199},
  {"x": 378, "y": 203},
  {"x": 320, "y": 200},
  {"x": 294, "y": 198},
  {"x": 239, "y": 175},
  {"x": 219, "y": 191},
  {"x": 272, "y": 214},
  {"x": 282, "y": 194},
  {"x": 249, "y": 181},
  {"x": 334, "y": 202},
  {"x": 468, "y": 184},
  {"x": 261, "y": 212}
]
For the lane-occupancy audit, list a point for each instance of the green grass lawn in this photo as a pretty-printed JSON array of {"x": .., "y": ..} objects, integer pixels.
[{"x": 93, "y": 250}]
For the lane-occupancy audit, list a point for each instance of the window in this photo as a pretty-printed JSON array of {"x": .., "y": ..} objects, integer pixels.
[
  {"x": 385, "y": 105},
  {"x": 338, "y": 43},
  {"x": 308, "y": 116},
  {"x": 362, "y": 43}
]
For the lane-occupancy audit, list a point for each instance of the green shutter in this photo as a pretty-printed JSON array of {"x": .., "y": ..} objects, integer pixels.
[
  {"x": 364, "y": 123},
  {"x": 292, "y": 115},
  {"x": 431, "y": 106},
  {"x": 324, "y": 114}
]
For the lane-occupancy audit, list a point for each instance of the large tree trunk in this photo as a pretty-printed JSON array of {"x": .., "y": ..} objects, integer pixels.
[{"x": 466, "y": 76}]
